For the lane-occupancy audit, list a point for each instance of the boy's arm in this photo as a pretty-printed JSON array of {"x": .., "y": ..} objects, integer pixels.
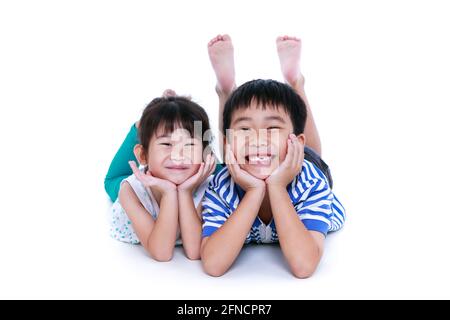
[
  {"x": 220, "y": 250},
  {"x": 301, "y": 248},
  {"x": 158, "y": 237}
]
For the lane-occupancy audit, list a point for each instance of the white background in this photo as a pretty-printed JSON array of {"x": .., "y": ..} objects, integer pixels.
[{"x": 74, "y": 75}]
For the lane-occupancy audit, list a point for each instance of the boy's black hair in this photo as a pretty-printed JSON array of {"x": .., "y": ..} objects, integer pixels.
[
  {"x": 267, "y": 93},
  {"x": 170, "y": 113}
]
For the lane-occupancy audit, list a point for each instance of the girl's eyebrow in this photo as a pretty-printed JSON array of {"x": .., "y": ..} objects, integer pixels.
[{"x": 163, "y": 136}]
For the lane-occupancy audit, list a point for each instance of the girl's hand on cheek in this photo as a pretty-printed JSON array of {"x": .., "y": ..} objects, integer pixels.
[
  {"x": 205, "y": 170},
  {"x": 148, "y": 180}
]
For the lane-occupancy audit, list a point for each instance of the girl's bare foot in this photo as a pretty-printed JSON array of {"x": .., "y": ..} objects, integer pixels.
[
  {"x": 289, "y": 49},
  {"x": 169, "y": 93},
  {"x": 221, "y": 55}
]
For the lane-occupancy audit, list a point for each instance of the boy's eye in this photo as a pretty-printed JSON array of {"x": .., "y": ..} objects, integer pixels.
[
  {"x": 190, "y": 144},
  {"x": 165, "y": 144},
  {"x": 273, "y": 128},
  {"x": 244, "y": 129}
]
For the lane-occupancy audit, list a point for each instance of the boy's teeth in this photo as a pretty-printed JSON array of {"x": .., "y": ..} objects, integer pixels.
[{"x": 256, "y": 158}]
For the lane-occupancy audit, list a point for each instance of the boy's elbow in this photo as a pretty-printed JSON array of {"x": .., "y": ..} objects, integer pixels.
[
  {"x": 303, "y": 270},
  {"x": 213, "y": 268}
]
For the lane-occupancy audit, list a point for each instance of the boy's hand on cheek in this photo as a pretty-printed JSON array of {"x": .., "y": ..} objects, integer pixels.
[
  {"x": 291, "y": 165},
  {"x": 245, "y": 180},
  {"x": 148, "y": 180},
  {"x": 205, "y": 170}
]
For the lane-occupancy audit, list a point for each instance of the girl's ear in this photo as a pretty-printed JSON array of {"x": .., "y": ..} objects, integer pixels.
[
  {"x": 140, "y": 154},
  {"x": 302, "y": 138}
]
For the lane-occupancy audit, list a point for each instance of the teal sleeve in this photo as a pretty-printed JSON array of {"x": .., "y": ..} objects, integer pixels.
[{"x": 119, "y": 168}]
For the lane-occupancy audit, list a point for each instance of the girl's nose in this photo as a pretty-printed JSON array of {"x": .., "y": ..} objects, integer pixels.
[{"x": 177, "y": 154}]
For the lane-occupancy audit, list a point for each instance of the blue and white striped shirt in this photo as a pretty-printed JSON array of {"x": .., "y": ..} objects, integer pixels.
[{"x": 316, "y": 205}]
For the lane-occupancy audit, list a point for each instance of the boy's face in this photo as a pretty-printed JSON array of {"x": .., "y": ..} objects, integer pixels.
[
  {"x": 258, "y": 138},
  {"x": 174, "y": 156}
]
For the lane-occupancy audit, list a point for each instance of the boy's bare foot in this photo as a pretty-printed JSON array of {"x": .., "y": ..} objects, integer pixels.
[
  {"x": 221, "y": 55},
  {"x": 289, "y": 49}
]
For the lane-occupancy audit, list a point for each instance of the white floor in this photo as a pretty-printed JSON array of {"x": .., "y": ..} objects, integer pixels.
[
  {"x": 74, "y": 78},
  {"x": 66, "y": 252}
]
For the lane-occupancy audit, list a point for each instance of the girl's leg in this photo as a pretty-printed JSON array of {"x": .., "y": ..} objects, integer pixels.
[
  {"x": 289, "y": 49},
  {"x": 119, "y": 168}
]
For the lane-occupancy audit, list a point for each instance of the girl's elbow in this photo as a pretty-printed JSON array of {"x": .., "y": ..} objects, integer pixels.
[
  {"x": 192, "y": 250},
  {"x": 160, "y": 255},
  {"x": 193, "y": 254}
]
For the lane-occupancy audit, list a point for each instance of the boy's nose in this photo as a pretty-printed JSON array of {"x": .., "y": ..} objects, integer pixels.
[{"x": 258, "y": 138}]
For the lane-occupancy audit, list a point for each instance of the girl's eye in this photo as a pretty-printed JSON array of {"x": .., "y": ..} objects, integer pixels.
[
  {"x": 165, "y": 144},
  {"x": 273, "y": 128},
  {"x": 244, "y": 129},
  {"x": 190, "y": 144}
]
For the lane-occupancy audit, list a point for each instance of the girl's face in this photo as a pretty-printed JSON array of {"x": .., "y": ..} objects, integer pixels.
[{"x": 174, "y": 156}]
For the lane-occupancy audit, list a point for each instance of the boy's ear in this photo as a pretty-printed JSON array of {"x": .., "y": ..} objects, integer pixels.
[
  {"x": 302, "y": 138},
  {"x": 140, "y": 154}
]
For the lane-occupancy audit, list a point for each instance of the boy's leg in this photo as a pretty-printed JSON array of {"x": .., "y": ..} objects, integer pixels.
[
  {"x": 289, "y": 49},
  {"x": 221, "y": 55}
]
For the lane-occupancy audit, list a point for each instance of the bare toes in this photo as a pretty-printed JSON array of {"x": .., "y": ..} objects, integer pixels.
[{"x": 169, "y": 93}]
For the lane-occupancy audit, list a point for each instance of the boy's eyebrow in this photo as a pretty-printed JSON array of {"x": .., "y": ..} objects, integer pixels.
[
  {"x": 240, "y": 119},
  {"x": 269, "y": 118},
  {"x": 276, "y": 118}
]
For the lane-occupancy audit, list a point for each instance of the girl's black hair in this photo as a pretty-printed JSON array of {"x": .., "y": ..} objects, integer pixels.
[{"x": 169, "y": 113}]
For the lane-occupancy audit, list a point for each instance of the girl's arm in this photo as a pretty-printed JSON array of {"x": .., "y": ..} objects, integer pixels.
[
  {"x": 190, "y": 225},
  {"x": 119, "y": 168},
  {"x": 189, "y": 216},
  {"x": 157, "y": 236}
]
